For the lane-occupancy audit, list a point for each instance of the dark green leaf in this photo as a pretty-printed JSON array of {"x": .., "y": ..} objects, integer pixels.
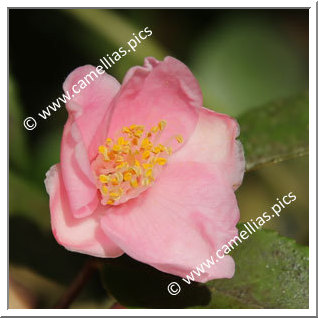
[
  {"x": 37, "y": 250},
  {"x": 103, "y": 23},
  {"x": 29, "y": 246},
  {"x": 27, "y": 200},
  {"x": 276, "y": 131},
  {"x": 271, "y": 272},
  {"x": 19, "y": 155},
  {"x": 106, "y": 21},
  {"x": 46, "y": 154},
  {"x": 245, "y": 61},
  {"x": 136, "y": 284}
]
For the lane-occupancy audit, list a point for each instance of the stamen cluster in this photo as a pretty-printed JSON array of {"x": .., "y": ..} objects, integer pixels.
[{"x": 127, "y": 166}]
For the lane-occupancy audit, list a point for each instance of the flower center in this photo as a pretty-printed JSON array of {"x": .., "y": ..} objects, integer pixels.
[{"x": 129, "y": 165}]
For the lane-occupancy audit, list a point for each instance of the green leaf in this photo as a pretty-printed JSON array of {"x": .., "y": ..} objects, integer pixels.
[
  {"x": 245, "y": 60},
  {"x": 118, "y": 31},
  {"x": 271, "y": 272},
  {"x": 135, "y": 284},
  {"x": 18, "y": 152},
  {"x": 47, "y": 153},
  {"x": 276, "y": 131},
  {"x": 44, "y": 290},
  {"x": 37, "y": 250},
  {"x": 27, "y": 200}
]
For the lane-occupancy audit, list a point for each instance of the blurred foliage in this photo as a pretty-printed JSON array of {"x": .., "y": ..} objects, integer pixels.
[
  {"x": 44, "y": 159},
  {"x": 124, "y": 277},
  {"x": 44, "y": 292},
  {"x": 18, "y": 150},
  {"x": 271, "y": 271},
  {"x": 105, "y": 22},
  {"x": 39, "y": 250},
  {"x": 36, "y": 249},
  {"x": 252, "y": 64},
  {"x": 261, "y": 188},
  {"x": 250, "y": 58},
  {"x": 31, "y": 202},
  {"x": 276, "y": 131}
]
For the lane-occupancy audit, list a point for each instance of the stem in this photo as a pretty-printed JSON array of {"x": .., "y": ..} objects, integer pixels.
[
  {"x": 77, "y": 285},
  {"x": 272, "y": 161}
]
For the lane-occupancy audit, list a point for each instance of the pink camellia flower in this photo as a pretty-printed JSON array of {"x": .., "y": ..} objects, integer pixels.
[{"x": 147, "y": 170}]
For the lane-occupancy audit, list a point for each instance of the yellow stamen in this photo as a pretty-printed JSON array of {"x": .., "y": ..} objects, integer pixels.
[
  {"x": 154, "y": 129},
  {"x": 146, "y": 154},
  {"x": 134, "y": 183},
  {"x": 127, "y": 176},
  {"x": 146, "y": 144},
  {"x": 145, "y": 182},
  {"x": 149, "y": 173},
  {"x": 147, "y": 165},
  {"x": 114, "y": 195},
  {"x": 130, "y": 161},
  {"x": 119, "y": 177},
  {"x": 126, "y": 130},
  {"x": 103, "y": 178},
  {"x": 162, "y": 148},
  {"x": 135, "y": 141},
  {"x": 116, "y": 148},
  {"x": 122, "y": 165},
  {"x": 121, "y": 141},
  {"x": 102, "y": 149},
  {"x": 114, "y": 181},
  {"x": 104, "y": 190},
  {"x": 137, "y": 170},
  {"x": 156, "y": 150},
  {"x": 162, "y": 124},
  {"x": 161, "y": 161},
  {"x": 179, "y": 139}
]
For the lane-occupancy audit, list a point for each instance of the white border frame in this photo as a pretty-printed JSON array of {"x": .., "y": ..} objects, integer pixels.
[{"x": 312, "y": 160}]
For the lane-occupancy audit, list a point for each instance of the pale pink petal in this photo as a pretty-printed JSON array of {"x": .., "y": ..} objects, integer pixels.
[
  {"x": 158, "y": 91},
  {"x": 189, "y": 213},
  {"x": 82, "y": 136},
  {"x": 214, "y": 143},
  {"x": 79, "y": 235},
  {"x": 77, "y": 175},
  {"x": 88, "y": 107}
]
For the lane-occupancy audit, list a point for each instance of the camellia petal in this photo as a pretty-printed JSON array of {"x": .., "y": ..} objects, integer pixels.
[
  {"x": 158, "y": 91},
  {"x": 214, "y": 143},
  {"x": 79, "y": 235},
  {"x": 147, "y": 170},
  {"x": 187, "y": 215},
  {"x": 89, "y": 106},
  {"x": 80, "y": 136}
]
